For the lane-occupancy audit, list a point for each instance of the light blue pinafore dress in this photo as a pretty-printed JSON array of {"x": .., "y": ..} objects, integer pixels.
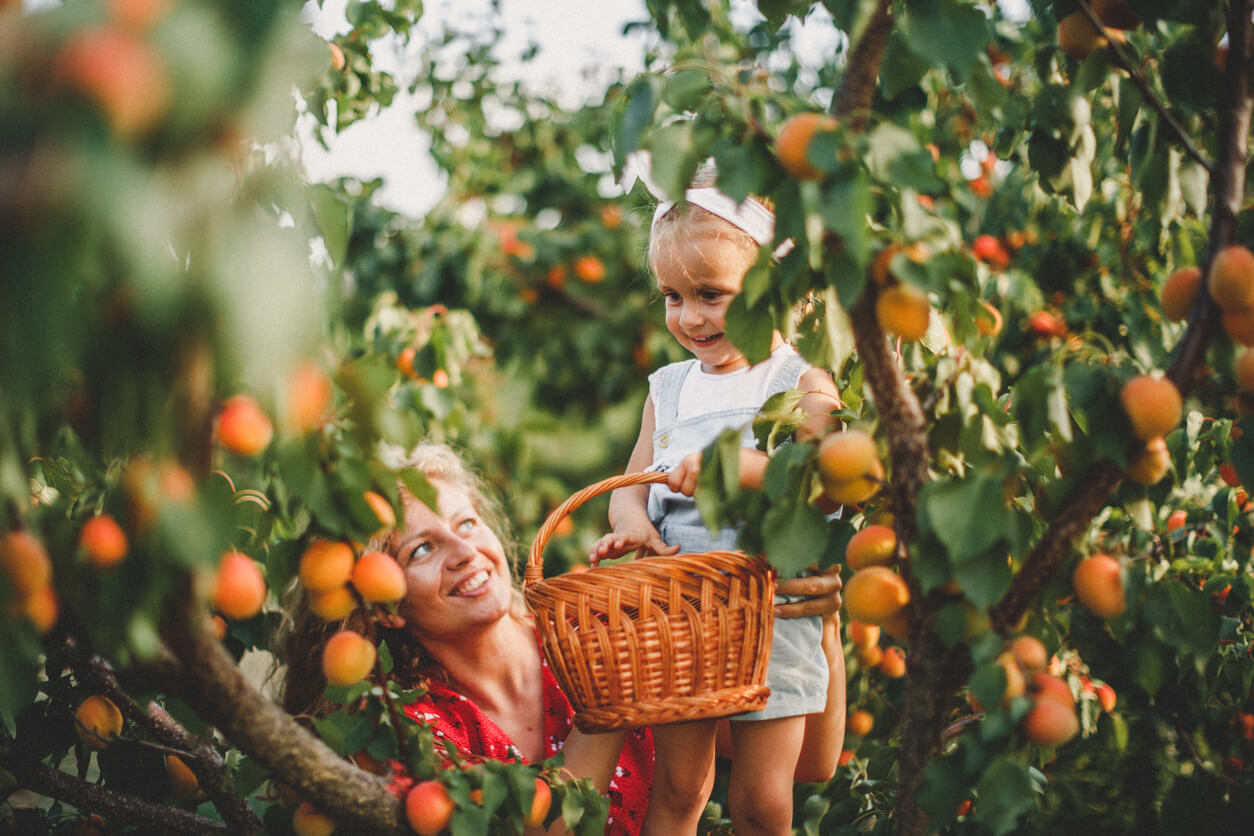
[{"x": 797, "y": 673}]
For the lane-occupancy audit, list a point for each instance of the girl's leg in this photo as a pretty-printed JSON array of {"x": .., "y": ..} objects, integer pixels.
[
  {"x": 760, "y": 795},
  {"x": 683, "y": 775}
]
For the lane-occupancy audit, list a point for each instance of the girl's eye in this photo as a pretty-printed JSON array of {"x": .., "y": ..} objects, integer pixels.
[
  {"x": 711, "y": 295},
  {"x": 670, "y": 296}
]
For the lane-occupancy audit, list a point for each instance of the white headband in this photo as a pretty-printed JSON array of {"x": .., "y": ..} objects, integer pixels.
[
  {"x": 751, "y": 216},
  {"x": 748, "y": 215}
]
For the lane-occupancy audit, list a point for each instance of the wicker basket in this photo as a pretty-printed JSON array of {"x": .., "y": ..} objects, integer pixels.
[{"x": 656, "y": 640}]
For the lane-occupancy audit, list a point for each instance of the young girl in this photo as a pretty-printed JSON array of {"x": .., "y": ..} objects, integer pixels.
[{"x": 700, "y": 250}]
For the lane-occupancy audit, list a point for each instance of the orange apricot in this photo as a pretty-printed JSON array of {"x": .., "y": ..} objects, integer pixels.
[
  {"x": 120, "y": 72},
  {"x": 1177, "y": 519},
  {"x": 1243, "y": 370},
  {"x": 1239, "y": 325},
  {"x": 589, "y": 269},
  {"x": 243, "y": 426},
  {"x": 239, "y": 590},
  {"x": 308, "y": 820},
  {"x": 338, "y": 60},
  {"x": 1151, "y": 464},
  {"x": 41, "y": 608},
  {"x": 103, "y": 541},
  {"x": 873, "y": 545},
  {"x": 184, "y": 785},
  {"x": 1153, "y": 405},
  {"x": 428, "y": 808},
  {"x": 325, "y": 565},
  {"x": 1050, "y": 723},
  {"x": 1098, "y": 584},
  {"x": 25, "y": 560},
  {"x": 97, "y": 721},
  {"x": 1043, "y": 685},
  {"x": 860, "y": 723},
  {"x": 332, "y": 604},
  {"x": 347, "y": 658},
  {"x": 1030, "y": 653},
  {"x": 863, "y": 634},
  {"x": 846, "y": 454},
  {"x": 893, "y": 665},
  {"x": 904, "y": 311},
  {"x": 308, "y": 396},
  {"x": 382, "y": 509},
  {"x": 1230, "y": 279},
  {"x": 540, "y": 804},
  {"x": 857, "y": 490},
  {"x": 792, "y": 143},
  {"x": 875, "y": 594},
  {"x": 870, "y": 657},
  {"x": 379, "y": 578},
  {"x": 1179, "y": 291},
  {"x": 1106, "y": 697}
]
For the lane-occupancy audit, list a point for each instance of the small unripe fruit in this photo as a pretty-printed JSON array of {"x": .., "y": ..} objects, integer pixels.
[
  {"x": 97, "y": 721},
  {"x": 1177, "y": 519},
  {"x": 239, "y": 589},
  {"x": 875, "y": 594},
  {"x": 904, "y": 311},
  {"x": 1045, "y": 324},
  {"x": 103, "y": 541},
  {"x": 1153, "y": 405},
  {"x": 428, "y": 808},
  {"x": 326, "y": 565},
  {"x": 793, "y": 143},
  {"x": 873, "y": 545},
  {"x": 347, "y": 658},
  {"x": 1231, "y": 278},
  {"x": 1098, "y": 584},
  {"x": 379, "y": 578}
]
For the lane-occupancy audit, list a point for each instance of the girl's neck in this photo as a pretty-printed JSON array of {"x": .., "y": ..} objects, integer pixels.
[{"x": 777, "y": 340}]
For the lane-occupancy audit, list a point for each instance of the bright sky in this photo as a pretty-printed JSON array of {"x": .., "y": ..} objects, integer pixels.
[{"x": 573, "y": 40}]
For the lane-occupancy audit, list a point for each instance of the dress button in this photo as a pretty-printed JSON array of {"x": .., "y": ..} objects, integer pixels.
[{"x": 664, "y": 441}]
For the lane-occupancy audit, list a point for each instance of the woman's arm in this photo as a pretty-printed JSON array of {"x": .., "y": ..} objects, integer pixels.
[{"x": 591, "y": 756}]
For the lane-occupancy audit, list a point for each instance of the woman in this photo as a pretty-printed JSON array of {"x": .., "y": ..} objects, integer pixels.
[{"x": 463, "y": 633}]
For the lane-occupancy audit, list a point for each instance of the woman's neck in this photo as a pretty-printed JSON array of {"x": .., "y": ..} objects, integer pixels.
[{"x": 491, "y": 665}]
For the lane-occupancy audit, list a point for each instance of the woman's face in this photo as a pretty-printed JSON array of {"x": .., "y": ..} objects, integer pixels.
[{"x": 456, "y": 571}]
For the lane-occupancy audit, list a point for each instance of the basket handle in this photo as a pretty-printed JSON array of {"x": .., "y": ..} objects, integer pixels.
[{"x": 535, "y": 563}]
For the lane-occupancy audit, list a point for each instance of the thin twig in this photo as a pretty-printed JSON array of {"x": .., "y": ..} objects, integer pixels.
[{"x": 1142, "y": 83}]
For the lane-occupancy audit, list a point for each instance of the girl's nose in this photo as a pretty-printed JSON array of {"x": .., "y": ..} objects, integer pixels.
[{"x": 691, "y": 314}]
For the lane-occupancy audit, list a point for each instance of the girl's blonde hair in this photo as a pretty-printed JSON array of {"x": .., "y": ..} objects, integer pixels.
[{"x": 687, "y": 221}]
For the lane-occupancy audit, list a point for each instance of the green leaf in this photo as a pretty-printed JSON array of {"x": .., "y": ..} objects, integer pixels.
[
  {"x": 986, "y": 579},
  {"x": 897, "y": 157},
  {"x": 684, "y": 89},
  {"x": 334, "y": 220},
  {"x": 673, "y": 157},
  {"x": 795, "y": 534},
  {"x": 635, "y": 115},
  {"x": 845, "y": 205},
  {"x": 967, "y": 515},
  {"x": 902, "y": 68},
  {"x": 946, "y": 32},
  {"x": 749, "y": 329},
  {"x": 1006, "y": 792}
]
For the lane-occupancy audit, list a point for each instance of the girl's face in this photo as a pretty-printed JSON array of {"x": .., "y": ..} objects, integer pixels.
[
  {"x": 698, "y": 277},
  {"x": 456, "y": 572}
]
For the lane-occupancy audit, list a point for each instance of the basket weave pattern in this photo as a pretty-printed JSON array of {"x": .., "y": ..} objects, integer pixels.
[{"x": 656, "y": 640}]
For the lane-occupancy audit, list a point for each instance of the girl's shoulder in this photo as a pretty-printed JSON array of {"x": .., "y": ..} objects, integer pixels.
[{"x": 670, "y": 372}]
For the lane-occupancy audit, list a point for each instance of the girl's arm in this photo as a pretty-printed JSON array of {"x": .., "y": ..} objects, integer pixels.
[
  {"x": 628, "y": 513},
  {"x": 817, "y": 403}
]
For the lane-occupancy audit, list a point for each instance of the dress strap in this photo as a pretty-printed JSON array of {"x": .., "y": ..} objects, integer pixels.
[{"x": 668, "y": 382}]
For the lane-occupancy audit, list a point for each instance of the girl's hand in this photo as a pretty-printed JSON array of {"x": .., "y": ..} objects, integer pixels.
[
  {"x": 621, "y": 541},
  {"x": 682, "y": 478},
  {"x": 822, "y": 594}
]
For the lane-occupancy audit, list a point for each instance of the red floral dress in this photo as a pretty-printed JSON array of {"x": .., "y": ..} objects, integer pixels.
[{"x": 455, "y": 718}]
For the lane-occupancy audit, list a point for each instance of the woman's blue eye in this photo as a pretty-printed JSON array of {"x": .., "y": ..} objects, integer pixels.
[
  {"x": 420, "y": 551},
  {"x": 466, "y": 525}
]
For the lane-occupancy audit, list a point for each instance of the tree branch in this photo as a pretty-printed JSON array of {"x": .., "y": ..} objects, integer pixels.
[
  {"x": 214, "y": 686},
  {"x": 852, "y": 101},
  {"x": 42, "y": 779},
  {"x": 1138, "y": 78}
]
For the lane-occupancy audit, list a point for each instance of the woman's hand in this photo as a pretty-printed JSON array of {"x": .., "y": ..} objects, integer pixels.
[{"x": 821, "y": 592}]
